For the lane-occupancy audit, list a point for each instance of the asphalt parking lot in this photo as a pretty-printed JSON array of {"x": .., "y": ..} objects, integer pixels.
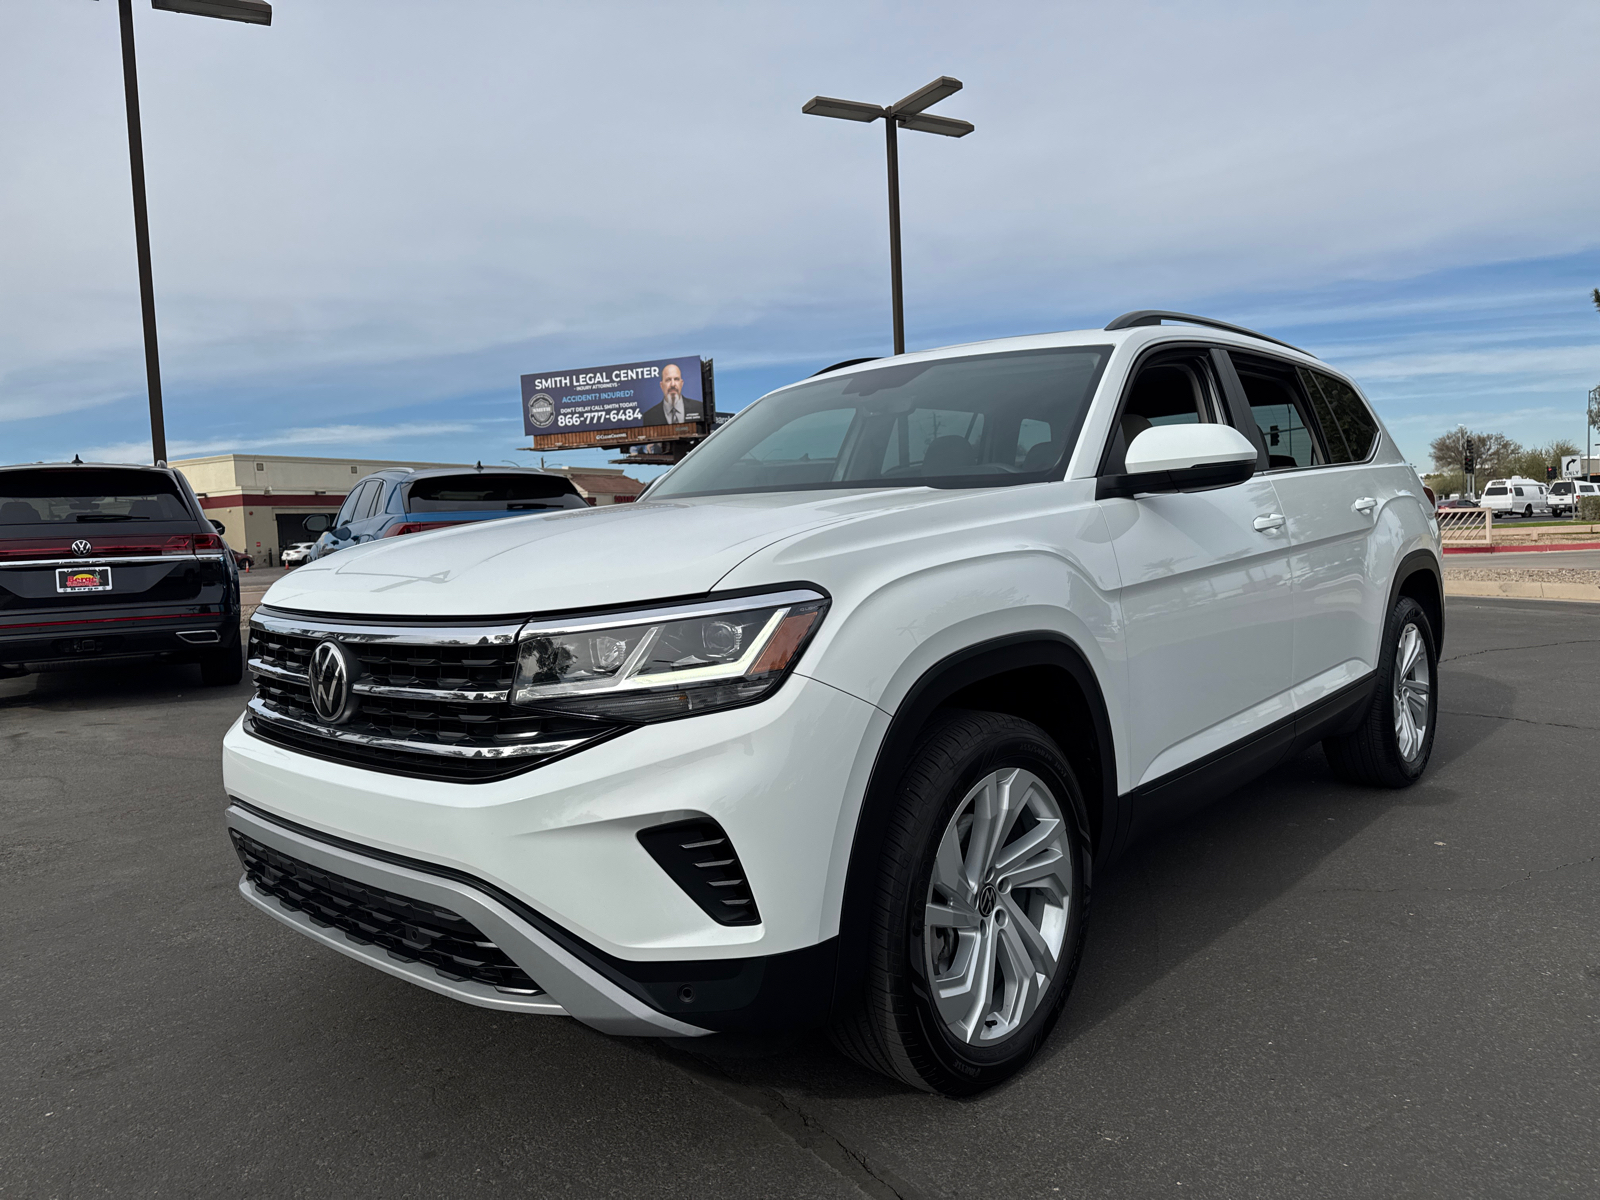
[{"x": 1308, "y": 990}]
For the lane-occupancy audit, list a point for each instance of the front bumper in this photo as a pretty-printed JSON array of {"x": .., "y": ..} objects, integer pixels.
[
  {"x": 551, "y": 860},
  {"x": 584, "y": 993}
]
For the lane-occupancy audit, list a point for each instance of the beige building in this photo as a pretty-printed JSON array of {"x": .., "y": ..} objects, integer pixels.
[{"x": 263, "y": 500}]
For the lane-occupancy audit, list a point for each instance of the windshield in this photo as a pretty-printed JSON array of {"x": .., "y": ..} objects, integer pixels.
[
  {"x": 488, "y": 492},
  {"x": 88, "y": 495},
  {"x": 984, "y": 421}
]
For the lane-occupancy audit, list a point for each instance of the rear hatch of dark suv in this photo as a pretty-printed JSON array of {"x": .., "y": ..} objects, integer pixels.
[{"x": 98, "y": 560}]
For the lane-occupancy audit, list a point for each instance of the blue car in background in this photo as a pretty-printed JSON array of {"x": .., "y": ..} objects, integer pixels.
[{"x": 401, "y": 500}]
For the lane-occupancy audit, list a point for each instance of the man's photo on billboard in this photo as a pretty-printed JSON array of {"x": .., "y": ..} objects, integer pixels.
[{"x": 675, "y": 408}]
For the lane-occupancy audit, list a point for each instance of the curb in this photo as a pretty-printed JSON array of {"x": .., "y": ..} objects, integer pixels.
[
  {"x": 1515, "y": 549},
  {"x": 1523, "y": 591}
]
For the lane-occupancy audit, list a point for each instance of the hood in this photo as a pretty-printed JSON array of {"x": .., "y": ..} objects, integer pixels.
[{"x": 578, "y": 558}]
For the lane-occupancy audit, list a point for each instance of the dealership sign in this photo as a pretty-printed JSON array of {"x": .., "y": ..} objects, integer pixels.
[{"x": 660, "y": 393}]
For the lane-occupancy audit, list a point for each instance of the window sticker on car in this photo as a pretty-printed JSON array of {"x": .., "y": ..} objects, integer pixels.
[{"x": 83, "y": 579}]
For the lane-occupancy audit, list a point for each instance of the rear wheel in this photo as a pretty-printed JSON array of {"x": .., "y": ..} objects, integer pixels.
[
  {"x": 1391, "y": 746},
  {"x": 979, "y": 919},
  {"x": 223, "y": 667}
]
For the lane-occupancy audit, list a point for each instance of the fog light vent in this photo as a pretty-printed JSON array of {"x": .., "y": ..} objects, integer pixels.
[{"x": 701, "y": 860}]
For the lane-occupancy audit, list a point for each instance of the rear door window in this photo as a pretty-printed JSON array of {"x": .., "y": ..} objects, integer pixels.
[
  {"x": 356, "y": 504},
  {"x": 89, "y": 496},
  {"x": 1280, "y": 412}
]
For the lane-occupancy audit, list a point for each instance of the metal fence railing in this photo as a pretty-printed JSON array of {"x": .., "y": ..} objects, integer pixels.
[{"x": 1466, "y": 526}]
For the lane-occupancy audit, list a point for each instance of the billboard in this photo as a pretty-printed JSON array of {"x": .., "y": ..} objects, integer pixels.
[{"x": 656, "y": 400}]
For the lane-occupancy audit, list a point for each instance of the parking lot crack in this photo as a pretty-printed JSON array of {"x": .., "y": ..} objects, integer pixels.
[
  {"x": 1450, "y": 712},
  {"x": 1530, "y": 876},
  {"x": 1510, "y": 649},
  {"x": 797, "y": 1125}
]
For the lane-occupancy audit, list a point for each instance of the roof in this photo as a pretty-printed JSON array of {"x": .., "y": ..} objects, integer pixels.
[
  {"x": 606, "y": 484},
  {"x": 73, "y": 466},
  {"x": 1135, "y": 337}
]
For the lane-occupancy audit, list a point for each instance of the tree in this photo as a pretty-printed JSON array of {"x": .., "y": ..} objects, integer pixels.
[
  {"x": 1495, "y": 455},
  {"x": 1532, "y": 462}
]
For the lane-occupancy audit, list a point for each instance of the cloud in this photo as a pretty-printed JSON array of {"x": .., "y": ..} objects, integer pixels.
[
  {"x": 345, "y": 437},
  {"x": 371, "y": 214}
]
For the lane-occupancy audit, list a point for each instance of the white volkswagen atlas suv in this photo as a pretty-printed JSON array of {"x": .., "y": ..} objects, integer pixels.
[{"x": 838, "y": 723}]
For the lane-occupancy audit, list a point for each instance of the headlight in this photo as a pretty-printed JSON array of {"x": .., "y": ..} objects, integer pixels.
[{"x": 668, "y": 662}]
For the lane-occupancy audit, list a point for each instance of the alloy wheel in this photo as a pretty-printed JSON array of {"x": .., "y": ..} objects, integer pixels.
[
  {"x": 1412, "y": 684},
  {"x": 996, "y": 913}
]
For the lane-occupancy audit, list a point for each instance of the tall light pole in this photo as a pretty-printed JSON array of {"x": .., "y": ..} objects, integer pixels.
[
  {"x": 910, "y": 113},
  {"x": 252, "y": 12},
  {"x": 1588, "y": 433}
]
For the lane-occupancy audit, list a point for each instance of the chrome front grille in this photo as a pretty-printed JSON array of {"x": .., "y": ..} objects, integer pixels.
[{"x": 430, "y": 701}]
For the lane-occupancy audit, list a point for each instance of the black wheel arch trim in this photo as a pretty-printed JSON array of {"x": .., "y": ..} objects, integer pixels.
[
  {"x": 944, "y": 680},
  {"x": 1411, "y": 564}
]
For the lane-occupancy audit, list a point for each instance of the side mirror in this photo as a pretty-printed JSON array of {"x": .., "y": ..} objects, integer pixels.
[
  {"x": 219, "y": 527},
  {"x": 342, "y": 533},
  {"x": 317, "y": 523},
  {"x": 1182, "y": 458}
]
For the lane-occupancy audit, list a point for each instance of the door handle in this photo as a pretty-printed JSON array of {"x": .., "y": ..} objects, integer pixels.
[
  {"x": 1364, "y": 505},
  {"x": 1269, "y": 522}
]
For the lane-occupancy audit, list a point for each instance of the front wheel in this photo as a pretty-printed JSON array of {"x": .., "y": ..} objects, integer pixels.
[
  {"x": 978, "y": 922},
  {"x": 1528, "y": 512},
  {"x": 223, "y": 667},
  {"x": 1391, "y": 746}
]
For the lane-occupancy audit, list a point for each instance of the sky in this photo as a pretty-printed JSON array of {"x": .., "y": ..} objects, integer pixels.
[{"x": 370, "y": 219}]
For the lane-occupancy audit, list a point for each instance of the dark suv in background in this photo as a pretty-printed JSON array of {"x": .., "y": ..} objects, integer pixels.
[
  {"x": 100, "y": 560},
  {"x": 419, "y": 500}
]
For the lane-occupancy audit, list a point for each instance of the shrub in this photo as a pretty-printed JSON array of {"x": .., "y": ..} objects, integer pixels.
[{"x": 1589, "y": 508}]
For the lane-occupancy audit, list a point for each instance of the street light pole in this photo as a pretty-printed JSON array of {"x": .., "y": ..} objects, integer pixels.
[
  {"x": 909, "y": 113},
  {"x": 141, "y": 236},
  {"x": 896, "y": 287},
  {"x": 252, "y": 12}
]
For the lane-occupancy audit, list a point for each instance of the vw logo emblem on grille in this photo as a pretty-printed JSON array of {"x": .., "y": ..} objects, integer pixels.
[
  {"x": 333, "y": 669},
  {"x": 81, "y": 547}
]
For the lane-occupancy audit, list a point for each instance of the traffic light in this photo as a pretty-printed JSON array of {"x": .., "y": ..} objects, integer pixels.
[{"x": 1549, "y": 473}]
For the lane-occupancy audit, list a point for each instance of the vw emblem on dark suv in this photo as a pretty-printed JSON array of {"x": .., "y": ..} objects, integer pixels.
[
  {"x": 81, "y": 547},
  {"x": 333, "y": 669}
]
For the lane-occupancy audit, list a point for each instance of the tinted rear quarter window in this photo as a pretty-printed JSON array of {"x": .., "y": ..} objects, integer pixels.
[
  {"x": 89, "y": 496},
  {"x": 1347, "y": 426}
]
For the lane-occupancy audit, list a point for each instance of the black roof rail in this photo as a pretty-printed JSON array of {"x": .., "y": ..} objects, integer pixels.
[
  {"x": 849, "y": 362},
  {"x": 1154, "y": 316}
]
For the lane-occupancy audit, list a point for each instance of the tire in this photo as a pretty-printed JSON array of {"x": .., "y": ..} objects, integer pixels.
[
  {"x": 1528, "y": 512},
  {"x": 1385, "y": 751},
  {"x": 222, "y": 668},
  {"x": 963, "y": 769}
]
